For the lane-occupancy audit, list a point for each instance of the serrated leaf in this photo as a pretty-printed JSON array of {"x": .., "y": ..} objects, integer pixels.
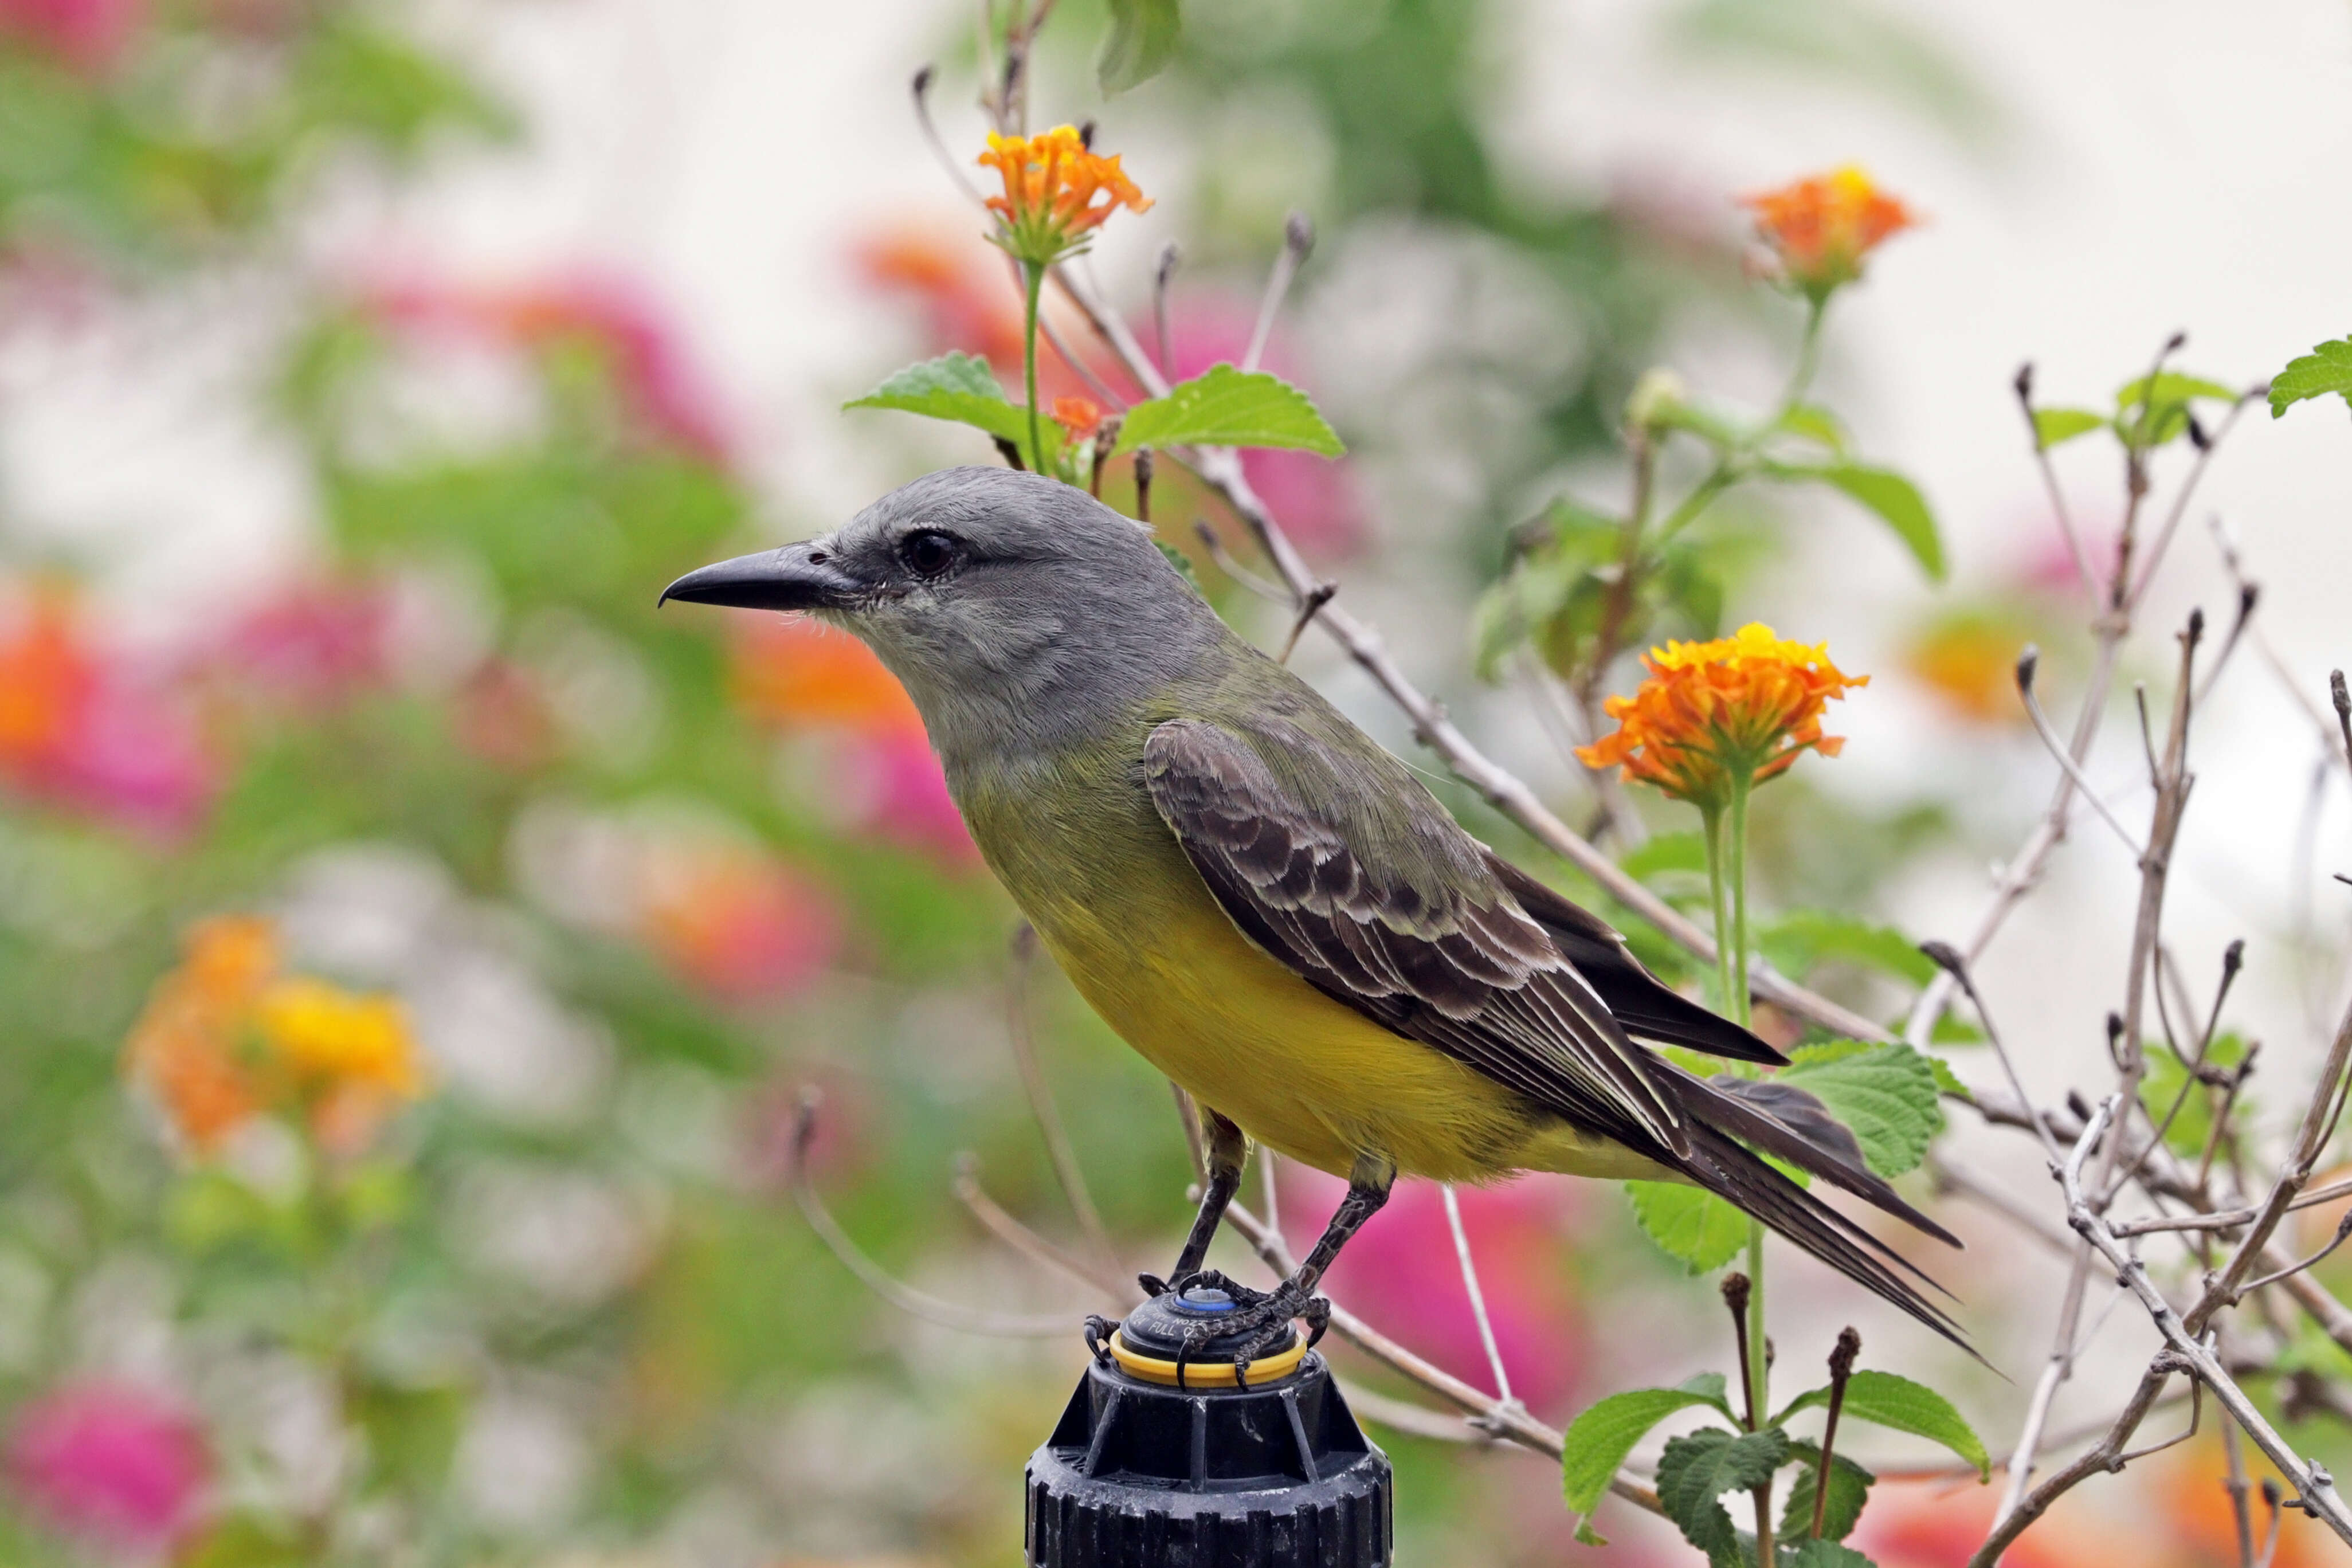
[
  {"x": 2053, "y": 427},
  {"x": 1848, "y": 1490},
  {"x": 1690, "y": 1224},
  {"x": 1227, "y": 407},
  {"x": 1823, "y": 1554},
  {"x": 1696, "y": 1470},
  {"x": 1948, "y": 1081},
  {"x": 1899, "y": 505},
  {"x": 1141, "y": 41},
  {"x": 959, "y": 387},
  {"x": 1887, "y": 1094},
  {"x": 2327, "y": 368},
  {"x": 1183, "y": 564},
  {"x": 1890, "y": 1400},
  {"x": 1593, "y": 1448},
  {"x": 1800, "y": 939}
]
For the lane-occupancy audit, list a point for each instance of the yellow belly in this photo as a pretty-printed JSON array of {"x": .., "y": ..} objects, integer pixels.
[{"x": 1299, "y": 1072}]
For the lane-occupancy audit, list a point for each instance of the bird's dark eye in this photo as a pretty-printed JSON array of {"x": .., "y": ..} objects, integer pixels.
[{"x": 928, "y": 552}]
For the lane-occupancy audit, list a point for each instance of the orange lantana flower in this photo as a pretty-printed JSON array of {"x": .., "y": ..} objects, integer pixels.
[
  {"x": 1081, "y": 417},
  {"x": 1821, "y": 227},
  {"x": 1715, "y": 716},
  {"x": 226, "y": 1037},
  {"x": 1057, "y": 193}
]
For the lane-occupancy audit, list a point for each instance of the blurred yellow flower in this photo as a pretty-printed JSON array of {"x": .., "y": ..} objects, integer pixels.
[
  {"x": 1057, "y": 193},
  {"x": 1716, "y": 716},
  {"x": 322, "y": 1031},
  {"x": 226, "y": 1039},
  {"x": 1821, "y": 227}
]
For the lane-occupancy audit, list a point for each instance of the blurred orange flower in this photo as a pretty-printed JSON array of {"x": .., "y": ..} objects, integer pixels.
[
  {"x": 959, "y": 283},
  {"x": 1057, "y": 193},
  {"x": 1968, "y": 659},
  {"x": 1821, "y": 227},
  {"x": 226, "y": 1037},
  {"x": 792, "y": 670},
  {"x": 1715, "y": 715},
  {"x": 1081, "y": 417}
]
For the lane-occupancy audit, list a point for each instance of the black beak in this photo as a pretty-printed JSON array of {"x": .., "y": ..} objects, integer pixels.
[{"x": 797, "y": 577}]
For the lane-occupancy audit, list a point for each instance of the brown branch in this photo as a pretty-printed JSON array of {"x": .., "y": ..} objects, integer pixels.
[{"x": 1058, "y": 1148}]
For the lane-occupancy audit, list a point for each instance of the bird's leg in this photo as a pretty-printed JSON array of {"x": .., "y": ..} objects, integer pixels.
[
  {"x": 1224, "y": 1152},
  {"x": 1368, "y": 1189}
]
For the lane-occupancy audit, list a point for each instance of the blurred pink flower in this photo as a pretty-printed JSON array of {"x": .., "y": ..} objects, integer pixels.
[
  {"x": 312, "y": 645},
  {"x": 896, "y": 791},
  {"x": 1316, "y": 497},
  {"x": 80, "y": 729},
  {"x": 734, "y": 920},
  {"x": 111, "y": 1463},
  {"x": 665, "y": 390},
  {"x": 1401, "y": 1273},
  {"x": 88, "y": 35}
]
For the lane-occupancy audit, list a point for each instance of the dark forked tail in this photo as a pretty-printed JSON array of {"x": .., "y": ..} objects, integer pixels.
[{"x": 1790, "y": 1124}]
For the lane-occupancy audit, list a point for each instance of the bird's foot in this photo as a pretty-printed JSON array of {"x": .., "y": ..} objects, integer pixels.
[{"x": 1264, "y": 1316}]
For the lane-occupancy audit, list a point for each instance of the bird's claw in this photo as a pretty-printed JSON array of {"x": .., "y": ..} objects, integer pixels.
[{"x": 1098, "y": 1329}]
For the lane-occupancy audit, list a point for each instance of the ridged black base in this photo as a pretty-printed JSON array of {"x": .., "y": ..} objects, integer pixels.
[
  {"x": 1346, "y": 1525},
  {"x": 1138, "y": 1475}
]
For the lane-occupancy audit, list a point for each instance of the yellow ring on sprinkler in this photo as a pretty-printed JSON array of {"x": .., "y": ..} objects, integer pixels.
[{"x": 1207, "y": 1374}]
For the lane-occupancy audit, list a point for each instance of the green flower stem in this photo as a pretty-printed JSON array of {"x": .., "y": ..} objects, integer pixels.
[
  {"x": 1726, "y": 828},
  {"x": 1034, "y": 278},
  {"x": 1808, "y": 356}
]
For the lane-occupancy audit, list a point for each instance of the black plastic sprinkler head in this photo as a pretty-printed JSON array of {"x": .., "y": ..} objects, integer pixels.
[{"x": 1170, "y": 1455}]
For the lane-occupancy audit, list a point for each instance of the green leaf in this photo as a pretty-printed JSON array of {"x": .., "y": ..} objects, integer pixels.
[
  {"x": 1948, "y": 1081},
  {"x": 1594, "y": 1447},
  {"x": 1692, "y": 1225},
  {"x": 960, "y": 387},
  {"x": 1799, "y": 940},
  {"x": 1142, "y": 40},
  {"x": 1666, "y": 852},
  {"x": 2153, "y": 410},
  {"x": 1898, "y": 503},
  {"x": 2053, "y": 427},
  {"x": 1227, "y": 407},
  {"x": 2327, "y": 368},
  {"x": 1848, "y": 1490},
  {"x": 1886, "y": 1399},
  {"x": 2162, "y": 1086},
  {"x": 1885, "y": 1093},
  {"x": 1815, "y": 424},
  {"x": 1696, "y": 1470},
  {"x": 2170, "y": 386},
  {"x": 1823, "y": 1554}
]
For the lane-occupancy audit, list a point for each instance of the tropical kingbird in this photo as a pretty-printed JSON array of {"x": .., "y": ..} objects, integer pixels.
[{"x": 1270, "y": 907}]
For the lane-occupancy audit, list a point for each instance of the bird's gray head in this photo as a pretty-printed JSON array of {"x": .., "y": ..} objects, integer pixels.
[{"x": 1014, "y": 607}]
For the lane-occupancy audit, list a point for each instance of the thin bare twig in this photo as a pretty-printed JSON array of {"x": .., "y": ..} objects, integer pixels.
[
  {"x": 2058, "y": 508},
  {"x": 1298, "y": 242},
  {"x": 1058, "y": 1149},
  {"x": 2188, "y": 1351},
  {"x": 1477, "y": 1296},
  {"x": 2026, "y": 662},
  {"x": 881, "y": 1281}
]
